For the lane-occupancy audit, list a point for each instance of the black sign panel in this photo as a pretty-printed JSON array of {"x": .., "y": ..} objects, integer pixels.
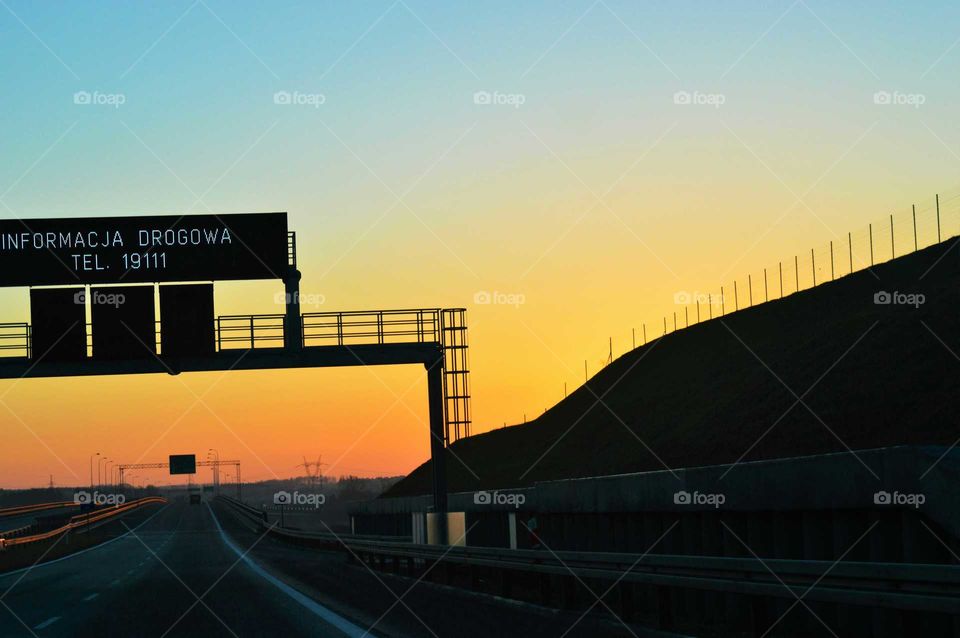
[
  {"x": 58, "y": 324},
  {"x": 124, "y": 322},
  {"x": 36, "y": 252},
  {"x": 183, "y": 463},
  {"x": 186, "y": 320}
]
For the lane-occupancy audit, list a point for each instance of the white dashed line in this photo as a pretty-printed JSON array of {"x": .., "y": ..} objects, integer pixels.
[{"x": 46, "y": 623}]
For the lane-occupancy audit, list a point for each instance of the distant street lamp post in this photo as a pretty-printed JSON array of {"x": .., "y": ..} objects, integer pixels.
[
  {"x": 91, "y": 468},
  {"x": 101, "y": 472}
]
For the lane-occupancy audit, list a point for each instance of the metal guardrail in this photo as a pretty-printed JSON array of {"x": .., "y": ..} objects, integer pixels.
[
  {"x": 17, "y": 532},
  {"x": 898, "y": 585},
  {"x": 249, "y": 331},
  {"x": 80, "y": 521},
  {"x": 36, "y": 507},
  {"x": 422, "y": 325},
  {"x": 259, "y": 517},
  {"x": 372, "y": 326}
]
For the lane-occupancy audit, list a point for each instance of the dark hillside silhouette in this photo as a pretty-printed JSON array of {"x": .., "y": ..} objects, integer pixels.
[{"x": 707, "y": 394}]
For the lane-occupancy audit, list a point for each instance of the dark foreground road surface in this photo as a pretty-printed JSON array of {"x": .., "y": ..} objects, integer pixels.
[{"x": 193, "y": 570}]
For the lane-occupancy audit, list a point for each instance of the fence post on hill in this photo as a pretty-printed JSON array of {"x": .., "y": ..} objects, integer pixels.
[
  {"x": 686, "y": 316},
  {"x": 750, "y": 289},
  {"x": 937, "y": 196},
  {"x": 633, "y": 337},
  {"x": 870, "y": 227},
  {"x": 913, "y": 207},
  {"x": 698, "y": 310},
  {"x": 766, "y": 295},
  {"x": 813, "y": 267},
  {"x": 723, "y": 305},
  {"x": 736, "y": 297},
  {"x": 780, "y": 264},
  {"x": 850, "y": 246},
  {"x": 644, "y": 334},
  {"x": 664, "y": 326},
  {"x": 893, "y": 250},
  {"x": 796, "y": 270}
]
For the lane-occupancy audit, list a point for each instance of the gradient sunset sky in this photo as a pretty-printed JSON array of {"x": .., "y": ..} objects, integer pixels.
[{"x": 588, "y": 191}]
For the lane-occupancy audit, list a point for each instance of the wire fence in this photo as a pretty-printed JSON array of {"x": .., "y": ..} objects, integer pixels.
[
  {"x": 924, "y": 224},
  {"x": 929, "y": 222}
]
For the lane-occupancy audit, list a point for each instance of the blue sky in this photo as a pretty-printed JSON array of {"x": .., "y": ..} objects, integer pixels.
[{"x": 596, "y": 199}]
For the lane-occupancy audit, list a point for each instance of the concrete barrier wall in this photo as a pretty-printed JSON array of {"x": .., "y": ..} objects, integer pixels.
[{"x": 799, "y": 507}]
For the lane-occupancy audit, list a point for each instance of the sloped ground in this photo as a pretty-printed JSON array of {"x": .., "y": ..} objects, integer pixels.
[{"x": 869, "y": 375}]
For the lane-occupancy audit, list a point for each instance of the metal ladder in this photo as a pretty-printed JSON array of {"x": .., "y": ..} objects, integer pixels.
[
  {"x": 292, "y": 249},
  {"x": 456, "y": 374}
]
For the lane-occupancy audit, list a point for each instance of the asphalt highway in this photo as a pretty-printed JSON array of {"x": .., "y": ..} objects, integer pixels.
[
  {"x": 173, "y": 575},
  {"x": 195, "y": 570}
]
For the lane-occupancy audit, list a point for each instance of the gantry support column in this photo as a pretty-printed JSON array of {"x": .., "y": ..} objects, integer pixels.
[
  {"x": 438, "y": 457},
  {"x": 292, "y": 321}
]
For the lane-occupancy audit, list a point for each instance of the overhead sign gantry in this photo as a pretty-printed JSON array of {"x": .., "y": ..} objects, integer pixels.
[{"x": 106, "y": 267}]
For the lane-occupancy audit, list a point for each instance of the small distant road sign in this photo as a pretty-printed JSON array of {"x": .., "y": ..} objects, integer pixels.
[
  {"x": 40, "y": 252},
  {"x": 183, "y": 464}
]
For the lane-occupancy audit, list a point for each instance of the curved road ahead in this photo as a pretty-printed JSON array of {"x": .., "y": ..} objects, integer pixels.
[
  {"x": 173, "y": 575},
  {"x": 193, "y": 570}
]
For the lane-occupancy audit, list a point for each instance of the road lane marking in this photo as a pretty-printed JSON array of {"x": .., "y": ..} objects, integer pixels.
[
  {"x": 91, "y": 597},
  {"x": 327, "y": 615},
  {"x": 82, "y": 551},
  {"x": 46, "y": 623}
]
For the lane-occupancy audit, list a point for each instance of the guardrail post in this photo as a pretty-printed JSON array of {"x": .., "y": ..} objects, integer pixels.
[
  {"x": 505, "y": 577},
  {"x": 625, "y": 595},
  {"x": 664, "y": 609},
  {"x": 568, "y": 592},
  {"x": 546, "y": 589}
]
